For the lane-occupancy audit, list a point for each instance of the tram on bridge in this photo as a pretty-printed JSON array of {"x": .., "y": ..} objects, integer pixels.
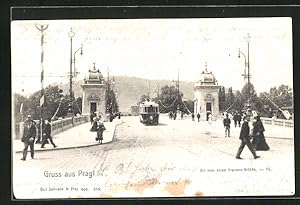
[{"x": 149, "y": 113}]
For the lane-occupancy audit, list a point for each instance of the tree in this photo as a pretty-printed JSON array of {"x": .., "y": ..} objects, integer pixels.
[
  {"x": 143, "y": 98},
  {"x": 246, "y": 94},
  {"x": 18, "y": 101},
  {"x": 229, "y": 99},
  {"x": 222, "y": 98},
  {"x": 281, "y": 97},
  {"x": 111, "y": 102},
  {"x": 169, "y": 99},
  {"x": 238, "y": 104},
  {"x": 190, "y": 106},
  {"x": 32, "y": 107},
  {"x": 78, "y": 105}
]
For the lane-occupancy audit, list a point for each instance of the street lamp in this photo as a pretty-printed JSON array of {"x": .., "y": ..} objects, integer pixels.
[
  {"x": 71, "y": 35},
  {"x": 81, "y": 52},
  {"x": 247, "y": 73},
  {"x": 246, "y": 64}
]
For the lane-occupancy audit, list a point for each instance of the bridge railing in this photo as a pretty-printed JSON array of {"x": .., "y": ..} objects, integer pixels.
[
  {"x": 269, "y": 121},
  {"x": 57, "y": 126},
  {"x": 278, "y": 122}
]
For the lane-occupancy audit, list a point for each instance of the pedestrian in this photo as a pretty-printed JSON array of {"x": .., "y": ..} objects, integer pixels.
[
  {"x": 193, "y": 117},
  {"x": 94, "y": 125},
  {"x": 39, "y": 137},
  {"x": 100, "y": 129},
  {"x": 259, "y": 141},
  {"x": 28, "y": 137},
  {"x": 111, "y": 117},
  {"x": 235, "y": 119},
  {"x": 198, "y": 116},
  {"x": 171, "y": 115},
  {"x": 245, "y": 139},
  {"x": 226, "y": 123},
  {"x": 209, "y": 118},
  {"x": 119, "y": 115},
  {"x": 175, "y": 115},
  {"x": 47, "y": 134},
  {"x": 181, "y": 115},
  {"x": 92, "y": 115},
  {"x": 43, "y": 136},
  {"x": 239, "y": 118}
]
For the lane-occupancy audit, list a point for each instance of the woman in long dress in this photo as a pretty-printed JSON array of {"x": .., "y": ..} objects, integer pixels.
[
  {"x": 259, "y": 141},
  {"x": 98, "y": 127}
]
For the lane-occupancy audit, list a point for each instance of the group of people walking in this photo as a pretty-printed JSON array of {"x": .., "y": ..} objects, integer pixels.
[
  {"x": 172, "y": 115},
  {"x": 98, "y": 127},
  {"x": 198, "y": 117},
  {"x": 208, "y": 118},
  {"x": 30, "y": 133},
  {"x": 254, "y": 141}
]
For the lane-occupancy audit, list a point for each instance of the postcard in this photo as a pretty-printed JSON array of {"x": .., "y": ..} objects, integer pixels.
[{"x": 153, "y": 107}]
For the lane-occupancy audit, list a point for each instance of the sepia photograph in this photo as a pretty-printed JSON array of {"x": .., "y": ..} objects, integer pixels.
[{"x": 153, "y": 107}]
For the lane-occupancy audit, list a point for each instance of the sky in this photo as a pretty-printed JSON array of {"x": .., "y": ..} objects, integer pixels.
[{"x": 155, "y": 49}]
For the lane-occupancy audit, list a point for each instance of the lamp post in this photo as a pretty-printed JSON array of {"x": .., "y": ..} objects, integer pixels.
[
  {"x": 74, "y": 57},
  {"x": 246, "y": 64},
  {"x": 247, "y": 70},
  {"x": 71, "y": 35}
]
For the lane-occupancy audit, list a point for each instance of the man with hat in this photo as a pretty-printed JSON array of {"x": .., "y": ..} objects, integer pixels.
[
  {"x": 47, "y": 134},
  {"x": 28, "y": 137},
  {"x": 226, "y": 123},
  {"x": 245, "y": 139}
]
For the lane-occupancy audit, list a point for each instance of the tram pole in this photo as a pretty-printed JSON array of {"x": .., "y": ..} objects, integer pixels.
[{"x": 42, "y": 28}]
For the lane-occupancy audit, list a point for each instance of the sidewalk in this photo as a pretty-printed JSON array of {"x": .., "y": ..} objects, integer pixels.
[{"x": 79, "y": 136}]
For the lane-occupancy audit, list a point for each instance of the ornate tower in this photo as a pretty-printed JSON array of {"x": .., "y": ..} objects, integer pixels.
[
  {"x": 93, "y": 93},
  {"x": 206, "y": 92}
]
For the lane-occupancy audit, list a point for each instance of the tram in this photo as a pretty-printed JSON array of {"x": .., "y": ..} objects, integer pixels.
[{"x": 149, "y": 113}]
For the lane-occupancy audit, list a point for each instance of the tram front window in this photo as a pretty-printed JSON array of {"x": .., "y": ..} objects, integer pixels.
[{"x": 151, "y": 109}]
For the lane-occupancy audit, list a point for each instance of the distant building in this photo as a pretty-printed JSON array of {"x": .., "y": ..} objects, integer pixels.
[
  {"x": 206, "y": 93},
  {"x": 93, "y": 93}
]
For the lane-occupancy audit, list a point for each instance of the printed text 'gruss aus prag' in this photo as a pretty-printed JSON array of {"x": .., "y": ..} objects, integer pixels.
[{"x": 79, "y": 173}]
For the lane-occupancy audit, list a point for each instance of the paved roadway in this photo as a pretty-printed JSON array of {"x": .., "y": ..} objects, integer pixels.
[{"x": 175, "y": 158}]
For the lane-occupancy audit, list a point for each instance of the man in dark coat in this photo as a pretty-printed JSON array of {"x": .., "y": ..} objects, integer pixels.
[
  {"x": 226, "y": 123},
  {"x": 28, "y": 137},
  {"x": 198, "y": 116},
  {"x": 245, "y": 139},
  {"x": 47, "y": 134},
  {"x": 235, "y": 119},
  {"x": 239, "y": 118},
  {"x": 193, "y": 116}
]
